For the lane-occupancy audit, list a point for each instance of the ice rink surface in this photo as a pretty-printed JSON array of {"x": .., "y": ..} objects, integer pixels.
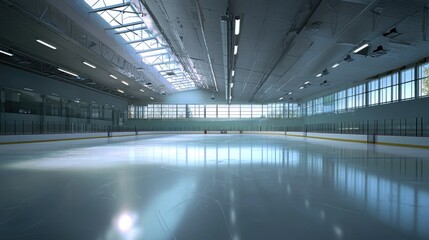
[{"x": 236, "y": 187}]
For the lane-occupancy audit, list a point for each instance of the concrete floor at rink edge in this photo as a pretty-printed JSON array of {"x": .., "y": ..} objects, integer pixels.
[{"x": 234, "y": 187}]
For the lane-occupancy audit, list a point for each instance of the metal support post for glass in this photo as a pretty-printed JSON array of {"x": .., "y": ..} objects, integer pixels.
[
  {"x": 384, "y": 127},
  {"x": 400, "y": 127},
  {"x": 406, "y": 126},
  {"x": 376, "y": 127},
  {"x": 417, "y": 127}
]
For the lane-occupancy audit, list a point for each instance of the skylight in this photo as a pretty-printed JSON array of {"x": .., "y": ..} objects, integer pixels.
[{"x": 137, "y": 28}]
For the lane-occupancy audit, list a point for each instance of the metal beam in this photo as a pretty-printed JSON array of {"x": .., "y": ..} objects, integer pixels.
[
  {"x": 169, "y": 70},
  {"x": 160, "y": 63},
  {"x": 125, "y": 25},
  {"x": 110, "y": 7},
  {"x": 131, "y": 30},
  {"x": 356, "y": 18},
  {"x": 285, "y": 45},
  {"x": 158, "y": 54},
  {"x": 150, "y": 50},
  {"x": 141, "y": 40}
]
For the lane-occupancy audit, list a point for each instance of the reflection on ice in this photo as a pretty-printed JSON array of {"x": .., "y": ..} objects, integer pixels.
[
  {"x": 125, "y": 222},
  {"x": 159, "y": 218}
]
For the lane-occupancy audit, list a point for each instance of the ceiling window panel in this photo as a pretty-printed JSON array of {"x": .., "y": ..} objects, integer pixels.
[{"x": 153, "y": 50}]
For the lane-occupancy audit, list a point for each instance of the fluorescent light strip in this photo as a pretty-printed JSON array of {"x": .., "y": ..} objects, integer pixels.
[
  {"x": 289, "y": 93},
  {"x": 235, "y": 49},
  {"x": 232, "y": 85},
  {"x": 319, "y": 75},
  {"x": 89, "y": 65},
  {"x": 237, "y": 26},
  {"x": 280, "y": 98},
  {"x": 335, "y": 65},
  {"x": 141, "y": 90},
  {"x": 301, "y": 87},
  {"x": 29, "y": 89},
  {"x": 233, "y": 73},
  {"x": 46, "y": 44},
  {"x": 112, "y": 76},
  {"x": 125, "y": 83},
  {"x": 65, "y": 71},
  {"x": 361, "y": 48},
  {"x": 307, "y": 82},
  {"x": 151, "y": 98},
  {"x": 121, "y": 91},
  {"x": 6, "y": 53}
]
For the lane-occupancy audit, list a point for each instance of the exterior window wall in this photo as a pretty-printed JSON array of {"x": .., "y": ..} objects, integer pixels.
[
  {"x": 222, "y": 111},
  {"x": 389, "y": 88},
  {"x": 373, "y": 96},
  {"x": 405, "y": 84},
  {"x": 181, "y": 111},
  {"x": 408, "y": 90},
  {"x": 257, "y": 111},
  {"x": 340, "y": 101},
  {"x": 196, "y": 111},
  {"x": 423, "y": 80},
  {"x": 234, "y": 111},
  {"x": 360, "y": 98},
  {"x": 329, "y": 103},
  {"x": 211, "y": 111}
]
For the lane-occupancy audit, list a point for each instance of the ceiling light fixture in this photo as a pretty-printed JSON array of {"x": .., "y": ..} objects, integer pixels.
[
  {"x": 301, "y": 87},
  {"x": 232, "y": 85},
  {"x": 281, "y": 98},
  {"x": 289, "y": 93},
  {"x": 112, "y": 76},
  {"x": 319, "y": 75},
  {"x": 89, "y": 64},
  {"x": 6, "y": 53},
  {"x": 237, "y": 26},
  {"x": 361, "y": 48},
  {"x": 235, "y": 49},
  {"x": 151, "y": 98},
  {"x": 121, "y": 91},
  {"x": 232, "y": 73},
  {"x": 141, "y": 90},
  {"x": 69, "y": 73},
  {"x": 29, "y": 89},
  {"x": 125, "y": 83},
  {"x": 335, "y": 65},
  {"x": 46, "y": 44},
  {"x": 307, "y": 82}
]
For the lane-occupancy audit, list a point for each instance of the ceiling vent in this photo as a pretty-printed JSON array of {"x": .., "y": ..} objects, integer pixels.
[
  {"x": 392, "y": 33},
  {"x": 378, "y": 52},
  {"x": 348, "y": 58},
  {"x": 314, "y": 26}
]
